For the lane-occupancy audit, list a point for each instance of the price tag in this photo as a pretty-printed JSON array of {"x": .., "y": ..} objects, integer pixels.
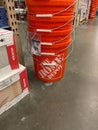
[
  {"x": 35, "y": 43},
  {"x": 35, "y": 47}
]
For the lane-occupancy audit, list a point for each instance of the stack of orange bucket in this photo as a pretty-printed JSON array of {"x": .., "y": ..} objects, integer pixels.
[
  {"x": 53, "y": 21},
  {"x": 93, "y": 9}
]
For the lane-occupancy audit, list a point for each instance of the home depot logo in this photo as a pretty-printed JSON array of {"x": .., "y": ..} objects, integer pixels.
[{"x": 50, "y": 69}]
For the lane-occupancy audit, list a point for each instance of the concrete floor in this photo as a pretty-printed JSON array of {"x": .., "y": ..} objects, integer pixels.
[{"x": 70, "y": 104}]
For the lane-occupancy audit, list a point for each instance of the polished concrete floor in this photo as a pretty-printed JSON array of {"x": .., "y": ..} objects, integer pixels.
[{"x": 70, "y": 104}]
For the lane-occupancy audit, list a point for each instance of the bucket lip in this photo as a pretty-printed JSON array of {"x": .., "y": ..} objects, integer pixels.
[
  {"x": 43, "y": 56},
  {"x": 53, "y": 32},
  {"x": 51, "y": 27},
  {"x": 48, "y": 7},
  {"x": 55, "y": 19},
  {"x": 49, "y": 11},
  {"x": 58, "y": 45},
  {"x": 49, "y": 3},
  {"x": 49, "y": 20}
]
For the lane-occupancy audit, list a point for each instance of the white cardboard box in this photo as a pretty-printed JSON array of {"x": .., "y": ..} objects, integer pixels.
[
  {"x": 8, "y": 52},
  {"x": 6, "y": 37},
  {"x": 8, "y": 77}
]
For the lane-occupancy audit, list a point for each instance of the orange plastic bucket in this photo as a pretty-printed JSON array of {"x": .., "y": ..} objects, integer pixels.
[
  {"x": 55, "y": 29},
  {"x": 53, "y": 33},
  {"x": 47, "y": 3},
  {"x": 54, "y": 19},
  {"x": 50, "y": 68},
  {"x": 56, "y": 48},
  {"x": 55, "y": 39},
  {"x": 66, "y": 26},
  {"x": 49, "y": 10},
  {"x": 60, "y": 33},
  {"x": 51, "y": 26},
  {"x": 46, "y": 23}
]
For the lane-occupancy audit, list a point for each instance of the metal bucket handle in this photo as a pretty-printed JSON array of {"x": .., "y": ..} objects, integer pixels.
[
  {"x": 52, "y": 63},
  {"x": 55, "y": 42}
]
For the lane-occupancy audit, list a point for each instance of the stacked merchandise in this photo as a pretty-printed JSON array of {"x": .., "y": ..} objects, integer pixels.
[
  {"x": 13, "y": 76},
  {"x": 50, "y": 28},
  {"x": 20, "y": 8},
  {"x": 93, "y": 9},
  {"x": 82, "y": 11},
  {"x": 3, "y": 18}
]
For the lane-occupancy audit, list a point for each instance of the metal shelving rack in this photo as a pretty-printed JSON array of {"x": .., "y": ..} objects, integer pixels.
[
  {"x": 82, "y": 11},
  {"x": 20, "y": 11}
]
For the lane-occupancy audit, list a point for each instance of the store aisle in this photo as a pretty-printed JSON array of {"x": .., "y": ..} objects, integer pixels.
[{"x": 72, "y": 103}]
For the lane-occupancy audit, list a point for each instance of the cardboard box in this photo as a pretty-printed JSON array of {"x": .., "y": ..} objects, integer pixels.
[
  {"x": 6, "y": 37},
  {"x": 13, "y": 84},
  {"x": 8, "y": 77},
  {"x": 10, "y": 104},
  {"x": 8, "y": 53},
  {"x": 10, "y": 93}
]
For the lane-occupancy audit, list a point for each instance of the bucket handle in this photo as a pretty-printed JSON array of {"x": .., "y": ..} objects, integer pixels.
[
  {"x": 53, "y": 63},
  {"x": 44, "y": 15},
  {"x": 53, "y": 54},
  {"x": 43, "y": 30},
  {"x": 55, "y": 42},
  {"x": 47, "y": 43}
]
